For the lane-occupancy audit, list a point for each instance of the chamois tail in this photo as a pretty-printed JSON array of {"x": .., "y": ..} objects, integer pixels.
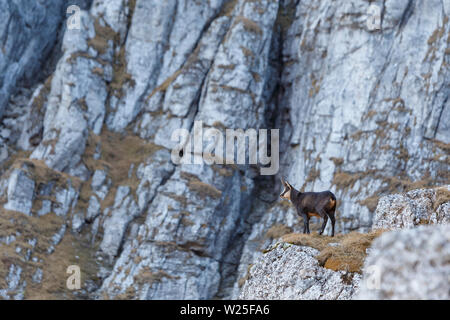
[{"x": 332, "y": 204}]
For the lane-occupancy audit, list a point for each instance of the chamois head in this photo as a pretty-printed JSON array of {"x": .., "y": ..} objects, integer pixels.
[{"x": 286, "y": 194}]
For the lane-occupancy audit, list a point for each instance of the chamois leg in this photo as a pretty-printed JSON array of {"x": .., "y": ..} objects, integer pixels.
[
  {"x": 325, "y": 220},
  {"x": 305, "y": 223},
  {"x": 333, "y": 220}
]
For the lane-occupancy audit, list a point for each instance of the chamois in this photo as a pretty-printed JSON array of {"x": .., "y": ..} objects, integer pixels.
[{"x": 308, "y": 204}]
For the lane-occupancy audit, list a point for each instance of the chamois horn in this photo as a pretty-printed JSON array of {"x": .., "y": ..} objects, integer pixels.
[{"x": 285, "y": 183}]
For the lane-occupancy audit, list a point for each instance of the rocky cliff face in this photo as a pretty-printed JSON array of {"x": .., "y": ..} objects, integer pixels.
[{"x": 87, "y": 115}]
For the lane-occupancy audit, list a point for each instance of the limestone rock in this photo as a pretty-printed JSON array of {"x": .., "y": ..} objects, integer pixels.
[
  {"x": 409, "y": 264},
  {"x": 291, "y": 272},
  {"x": 27, "y": 33},
  {"x": 20, "y": 192},
  {"x": 424, "y": 206}
]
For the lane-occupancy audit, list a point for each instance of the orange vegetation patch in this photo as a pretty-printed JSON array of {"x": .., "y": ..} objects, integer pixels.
[{"x": 348, "y": 251}]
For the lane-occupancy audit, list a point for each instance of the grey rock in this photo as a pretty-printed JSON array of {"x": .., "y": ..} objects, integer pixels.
[
  {"x": 20, "y": 192},
  {"x": 28, "y": 32},
  {"x": 65, "y": 199},
  {"x": 411, "y": 209},
  {"x": 98, "y": 179},
  {"x": 291, "y": 272},
  {"x": 77, "y": 222},
  {"x": 149, "y": 63},
  {"x": 71, "y": 102},
  {"x": 94, "y": 209},
  {"x": 58, "y": 236},
  {"x": 37, "y": 276},
  {"x": 100, "y": 183},
  {"x": 125, "y": 209},
  {"x": 151, "y": 176},
  {"x": 13, "y": 284},
  {"x": 169, "y": 212},
  {"x": 257, "y": 240},
  {"x": 32, "y": 122},
  {"x": 409, "y": 264}
]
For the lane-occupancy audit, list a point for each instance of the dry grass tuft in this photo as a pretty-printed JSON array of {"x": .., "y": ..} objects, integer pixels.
[
  {"x": 405, "y": 184},
  {"x": 442, "y": 145},
  {"x": 149, "y": 277},
  {"x": 228, "y": 8},
  {"x": 313, "y": 240},
  {"x": 120, "y": 74},
  {"x": 40, "y": 100},
  {"x": 70, "y": 251},
  {"x": 313, "y": 175},
  {"x": 247, "y": 52},
  {"x": 345, "y": 180},
  {"x": 118, "y": 155},
  {"x": 249, "y": 25},
  {"x": 348, "y": 254},
  {"x": 204, "y": 190},
  {"x": 8, "y": 164},
  {"x": 119, "y": 152},
  {"x": 103, "y": 34},
  {"x": 278, "y": 231},
  {"x": 165, "y": 85},
  {"x": 40, "y": 173},
  {"x": 442, "y": 196},
  {"x": 223, "y": 170},
  {"x": 337, "y": 161},
  {"x": 370, "y": 202},
  {"x": 129, "y": 294}
]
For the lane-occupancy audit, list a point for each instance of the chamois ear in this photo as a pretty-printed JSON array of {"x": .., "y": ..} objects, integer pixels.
[
  {"x": 282, "y": 181},
  {"x": 289, "y": 185}
]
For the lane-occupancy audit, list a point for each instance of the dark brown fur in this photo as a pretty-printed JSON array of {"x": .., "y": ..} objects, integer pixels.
[{"x": 309, "y": 204}]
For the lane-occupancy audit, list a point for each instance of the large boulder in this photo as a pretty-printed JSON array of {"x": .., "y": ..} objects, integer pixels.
[
  {"x": 409, "y": 264},
  {"x": 422, "y": 206},
  {"x": 289, "y": 271}
]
